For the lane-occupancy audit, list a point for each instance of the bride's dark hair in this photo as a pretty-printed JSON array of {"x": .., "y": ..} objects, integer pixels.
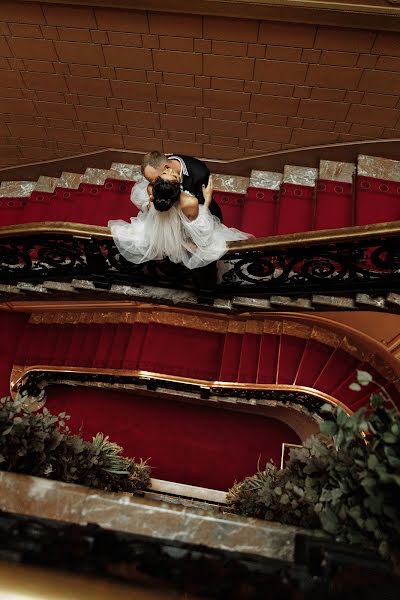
[{"x": 165, "y": 194}]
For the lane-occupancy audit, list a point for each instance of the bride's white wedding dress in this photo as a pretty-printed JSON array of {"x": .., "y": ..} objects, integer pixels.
[{"x": 154, "y": 235}]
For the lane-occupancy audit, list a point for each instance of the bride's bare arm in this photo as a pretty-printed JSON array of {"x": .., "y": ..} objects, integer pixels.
[{"x": 189, "y": 206}]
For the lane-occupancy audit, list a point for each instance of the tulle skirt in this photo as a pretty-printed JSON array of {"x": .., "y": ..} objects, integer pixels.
[{"x": 154, "y": 235}]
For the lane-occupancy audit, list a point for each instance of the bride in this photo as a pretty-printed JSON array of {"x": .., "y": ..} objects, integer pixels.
[{"x": 172, "y": 224}]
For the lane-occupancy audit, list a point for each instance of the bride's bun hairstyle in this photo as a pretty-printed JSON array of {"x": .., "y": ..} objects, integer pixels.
[{"x": 165, "y": 194}]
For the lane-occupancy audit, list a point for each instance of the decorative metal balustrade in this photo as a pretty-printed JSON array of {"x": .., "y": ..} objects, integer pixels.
[
  {"x": 33, "y": 382},
  {"x": 345, "y": 262}
]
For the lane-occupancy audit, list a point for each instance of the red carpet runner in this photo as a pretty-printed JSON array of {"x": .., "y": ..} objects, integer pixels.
[
  {"x": 262, "y": 212},
  {"x": 185, "y": 443},
  {"x": 267, "y": 358}
]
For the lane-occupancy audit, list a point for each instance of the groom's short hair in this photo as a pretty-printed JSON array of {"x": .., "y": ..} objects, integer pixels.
[{"x": 155, "y": 159}]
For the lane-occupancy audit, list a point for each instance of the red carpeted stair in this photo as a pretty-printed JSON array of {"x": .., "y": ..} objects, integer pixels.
[
  {"x": 190, "y": 443},
  {"x": 186, "y": 443},
  {"x": 316, "y": 359},
  {"x": 300, "y": 199}
]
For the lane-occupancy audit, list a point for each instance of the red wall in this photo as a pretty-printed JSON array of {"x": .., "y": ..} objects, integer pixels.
[{"x": 185, "y": 443}]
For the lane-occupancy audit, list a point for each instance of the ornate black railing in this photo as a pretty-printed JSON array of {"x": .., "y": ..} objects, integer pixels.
[
  {"x": 34, "y": 384},
  {"x": 346, "y": 261}
]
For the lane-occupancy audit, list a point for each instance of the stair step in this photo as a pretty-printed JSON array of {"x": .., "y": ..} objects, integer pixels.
[
  {"x": 60, "y": 286},
  {"x": 393, "y": 298},
  {"x": 231, "y": 357},
  {"x": 16, "y": 189},
  {"x": 46, "y": 184},
  {"x": 296, "y": 203},
  {"x": 365, "y": 300},
  {"x": 267, "y": 368},
  {"x": 287, "y": 352},
  {"x": 339, "y": 367},
  {"x": 267, "y": 180},
  {"x": 128, "y": 172},
  {"x": 230, "y": 183},
  {"x": 315, "y": 356},
  {"x": 286, "y": 301},
  {"x": 70, "y": 180},
  {"x": 98, "y": 176},
  {"x": 249, "y": 356},
  {"x": 134, "y": 346},
  {"x": 336, "y": 301},
  {"x": 290, "y": 355},
  {"x": 306, "y": 176},
  {"x": 334, "y": 195},
  {"x": 9, "y": 288},
  {"x": 258, "y": 303},
  {"x": 102, "y": 350},
  {"x": 332, "y": 170},
  {"x": 186, "y": 298},
  {"x": 379, "y": 168},
  {"x": 26, "y": 286}
]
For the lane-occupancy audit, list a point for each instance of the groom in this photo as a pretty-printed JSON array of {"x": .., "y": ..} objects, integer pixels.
[{"x": 190, "y": 172}]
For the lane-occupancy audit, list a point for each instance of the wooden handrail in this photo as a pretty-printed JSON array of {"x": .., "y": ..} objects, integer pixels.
[
  {"x": 272, "y": 161},
  {"x": 276, "y": 242},
  {"x": 364, "y": 14}
]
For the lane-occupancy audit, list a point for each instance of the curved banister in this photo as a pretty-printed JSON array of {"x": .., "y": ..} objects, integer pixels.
[
  {"x": 349, "y": 261},
  {"x": 309, "y": 156},
  {"x": 291, "y": 240}
]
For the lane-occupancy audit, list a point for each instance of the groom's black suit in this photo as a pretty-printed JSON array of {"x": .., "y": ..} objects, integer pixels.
[{"x": 197, "y": 175}]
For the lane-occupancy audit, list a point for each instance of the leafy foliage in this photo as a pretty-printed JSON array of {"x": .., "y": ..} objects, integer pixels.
[
  {"x": 347, "y": 484},
  {"x": 38, "y": 443}
]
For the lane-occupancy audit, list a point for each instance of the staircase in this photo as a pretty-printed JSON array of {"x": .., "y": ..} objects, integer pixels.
[
  {"x": 269, "y": 352},
  {"x": 300, "y": 199},
  {"x": 179, "y": 368},
  {"x": 337, "y": 196},
  {"x": 165, "y": 362}
]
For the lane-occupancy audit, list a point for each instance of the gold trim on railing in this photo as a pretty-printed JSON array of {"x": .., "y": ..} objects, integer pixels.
[
  {"x": 56, "y": 228},
  {"x": 19, "y": 373},
  {"x": 312, "y": 238},
  {"x": 291, "y": 240}
]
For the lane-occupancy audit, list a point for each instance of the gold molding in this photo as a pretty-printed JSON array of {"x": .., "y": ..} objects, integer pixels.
[
  {"x": 56, "y": 228},
  {"x": 20, "y": 372},
  {"x": 292, "y": 240},
  {"x": 328, "y": 331},
  {"x": 181, "y": 319},
  {"x": 308, "y": 156},
  {"x": 312, "y": 238}
]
